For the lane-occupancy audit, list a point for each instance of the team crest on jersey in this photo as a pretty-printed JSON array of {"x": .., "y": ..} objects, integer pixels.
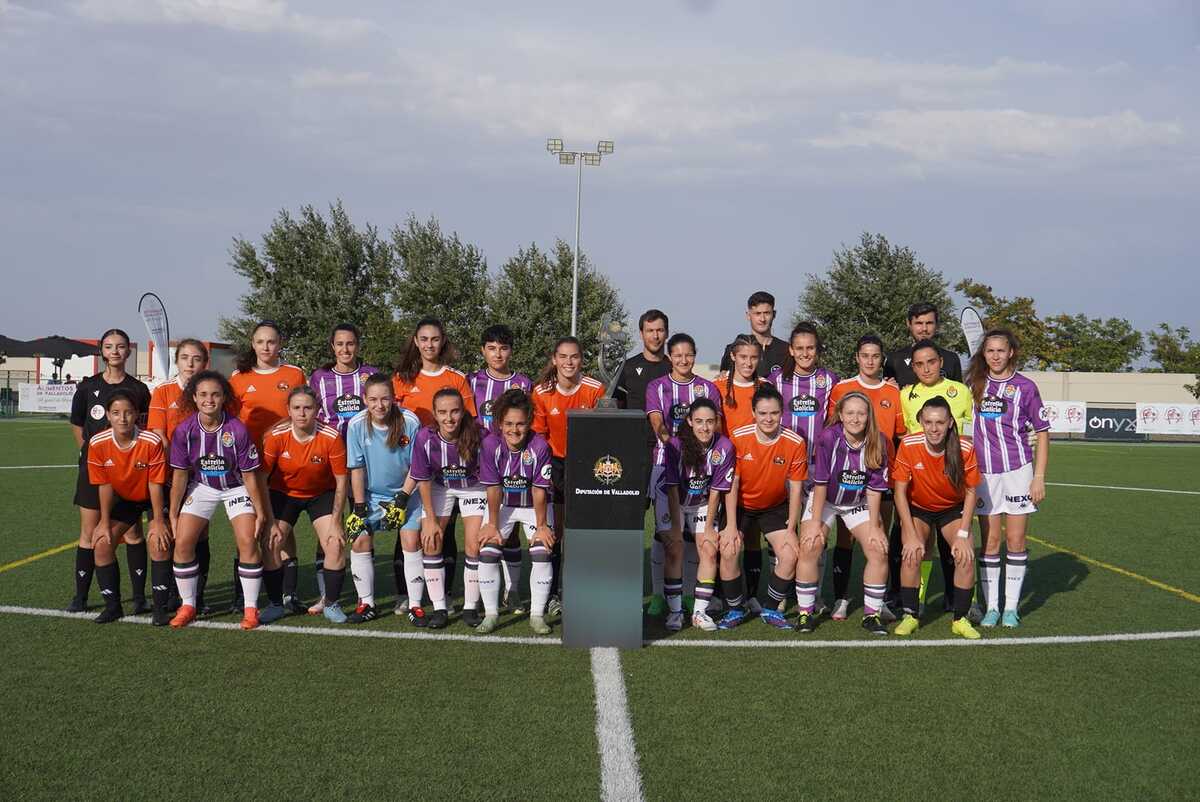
[
  {"x": 141, "y": 466},
  {"x": 227, "y": 439},
  {"x": 97, "y": 412},
  {"x": 316, "y": 459},
  {"x": 608, "y": 470},
  {"x": 717, "y": 456},
  {"x": 779, "y": 461},
  {"x": 1010, "y": 391},
  {"x": 885, "y": 403},
  {"x": 701, "y": 391},
  {"x": 952, "y": 392},
  {"x": 821, "y": 381},
  {"x": 527, "y": 457},
  {"x": 283, "y": 386}
]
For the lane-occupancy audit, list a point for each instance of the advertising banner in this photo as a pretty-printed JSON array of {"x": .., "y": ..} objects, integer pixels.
[
  {"x": 1067, "y": 417},
  {"x": 45, "y": 398},
  {"x": 1168, "y": 419}
]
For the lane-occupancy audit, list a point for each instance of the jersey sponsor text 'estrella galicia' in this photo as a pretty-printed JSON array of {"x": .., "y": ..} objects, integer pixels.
[
  {"x": 715, "y": 473},
  {"x": 1009, "y": 410},
  {"x": 516, "y": 472},
  {"x": 436, "y": 458},
  {"x": 673, "y": 399},
  {"x": 804, "y": 401},
  {"x": 487, "y": 388},
  {"x": 216, "y": 458},
  {"x": 843, "y": 469},
  {"x": 339, "y": 394}
]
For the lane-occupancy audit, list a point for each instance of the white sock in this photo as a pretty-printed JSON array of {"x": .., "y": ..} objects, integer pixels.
[
  {"x": 362, "y": 568},
  {"x": 187, "y": 578},
  {"x": 435, "y": 580},
  {"x": 251, "y": 576},
  {"x": 470, "y": 583},
  {"x": 414, "y": 577},
  {"x": 512, "y": 571},
  {"x": 989, "y": 578},
  {"x": 691, "y": 563},
  {"x": 658, "y": 555},
  {"x": 489, "y": 579},
  {"x": 541, "y": 572},
  {"x": 1014, "y": 577}
]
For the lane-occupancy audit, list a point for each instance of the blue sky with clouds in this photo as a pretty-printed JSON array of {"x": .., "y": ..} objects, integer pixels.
[{"x": 1047, "y": 148}]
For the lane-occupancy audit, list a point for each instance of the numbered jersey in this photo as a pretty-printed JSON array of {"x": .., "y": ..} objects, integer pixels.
[
  {"x": 339, "y": 395},
  {"x": 843, "y": 470},
  {"x": 216, "y": 457},
  {"x": 1009, "y": 410},
  {"x": 516, "y": 472},
  {"x": 804, "y": 401},
  {"x": 436, "y": 459},
  {"x": 714, "y": 473},
  {"x": 486, "y": 389},
  {"x": 672, "y": 400}
]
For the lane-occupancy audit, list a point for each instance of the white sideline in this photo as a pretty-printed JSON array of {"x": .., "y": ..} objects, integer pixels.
[
  {"x": 1120, "y": 487},
  {"x": 31, "y": 467},
  {"x": 619, "y": 775}
]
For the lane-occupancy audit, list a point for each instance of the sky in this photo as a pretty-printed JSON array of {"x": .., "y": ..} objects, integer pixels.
[{"x": 1046, "y": 148}]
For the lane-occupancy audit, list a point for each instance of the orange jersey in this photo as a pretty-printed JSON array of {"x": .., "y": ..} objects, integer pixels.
[
  {"x": 166, "y": 408},
  {"x": 735, "y": 417},
  {"x": 763, "y": 470},
  {"x": 550, "y": 410},
  {"x": 303, "y": 469},
  {"x": 928, "y": 486},
  {"x": 417, "y": 395},
  {"x": 885, "y": 400},
  {"x": 262, "y": 397},
  {"x": 129, "y": 470}
]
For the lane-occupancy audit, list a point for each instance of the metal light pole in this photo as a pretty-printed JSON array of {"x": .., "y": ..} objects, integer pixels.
[{"x": 578, "y": 158}]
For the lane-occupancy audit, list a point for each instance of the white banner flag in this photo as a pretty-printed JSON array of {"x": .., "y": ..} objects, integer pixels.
[
  {"x": 1168, "y": 419},
  {"x": 1067, "y": 417},
  {"x": 154, "y": 315},
  {"x": 45, "y": 398},
  {"x": 972, "y": 327}
]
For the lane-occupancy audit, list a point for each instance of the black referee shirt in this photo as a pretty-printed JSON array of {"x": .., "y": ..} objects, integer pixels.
[
  {"x": 92, "y": 393},
  {"x": 636, "y": 373},
  {"x": 898, "y": 366},
  {"x": 772, "y": 358}
]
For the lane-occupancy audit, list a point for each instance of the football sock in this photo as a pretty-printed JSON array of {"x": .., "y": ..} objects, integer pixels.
[
  {"x": 541, "y": 571},
  {"x": 332, "y": 586},
  {"x": 85, "y": 566},
  {"x": 843, "y": 560},
  {"x": 160, "y": 583},
  {"x": 895, "y": 554},
  {"x": 319, "y": 570},
  {"x": 926, "y": 570},
  {"x": 873, "y": 598},
  {"x": 556, "y": 566},
  {"x": 450, "y": 553},
  {"x": 910, "y": 599},
  {"x": 414, "y": 577},
  {"x": 291, "y": 576},
  {"x": 138, "y": 557},
  {"x": 704, "y": 594},
  {"x": 778, "y": 588},
  {"x": 990, "y": 579},
  {"x": 512, "y": 570},
  {"x": 470, "y": 582},
  {"x": 399, "y": 565},
  {"x": 250, "y": 575},
  {"x": 187, "y": 578},
  {"x": 108, "y": 577},
  {"x": 673, "y": 590},
  {"x": 435, "y": 578},
  {"x": 753, "y": 564},
  {"x": 237, "y": 586},
  {"x": 203, "y": 559},
  {"x": 962, "y": 601},
  {"x": 1014, "y": 578},
  {"x": 806, "y": 596},
  {"x": 273, "y": 579},
  {"x": 658, "y": 556},
  {"x": 946, "y": 557},
  {"x": 691, "y": 564},
  {"x": 488, "y": 582},
  {"x": 362, "y": 569},
  {"x": 733, "y": 591}
]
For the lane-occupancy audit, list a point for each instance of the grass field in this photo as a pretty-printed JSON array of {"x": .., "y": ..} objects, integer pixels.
[{"x": 132, "y": 712}]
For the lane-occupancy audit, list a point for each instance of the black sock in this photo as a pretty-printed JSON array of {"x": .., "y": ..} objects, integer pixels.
[
  {"x": 85, "y": 566},
  {"x": 962, "y": 601},
  {"x": 895, "y": 556},
  {"x": 203, "y": 558},
  {"x": 237, "y": 585},
  {"x": 450, "y": 556},
  {"x": 160, "y": 583},
  {"x": 909, "y": 599},
  {"x": 752, "y": 565},
  {"x": 843, "y": 560},
  {"x": 108, "y": 577},
  {"x": 946, "y": 557},
  {"x": 333, "y": 584},
  {"x": 777, "y": 588},
  {"x": 273, "y": 582},
  {"x": 398, "y": 570},
  {"x": 291, "y": 576},
  {"x": 732, "y": 588},
  {"x": 137, "y": 555}
]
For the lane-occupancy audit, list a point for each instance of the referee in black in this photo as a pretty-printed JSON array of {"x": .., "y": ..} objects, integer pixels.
[
  {"x": 639, "y": 370},
  {"x": 760, "y": 311}
]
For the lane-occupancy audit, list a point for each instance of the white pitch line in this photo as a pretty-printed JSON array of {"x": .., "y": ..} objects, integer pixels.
[
  {"x": 620, "y": 779},
  {"x": 711, "y": 643},
  {"x": 31, "y": 467},
  {"x": 1120, "y": 487}
]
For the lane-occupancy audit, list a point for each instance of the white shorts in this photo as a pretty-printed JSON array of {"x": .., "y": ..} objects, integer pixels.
[
  {"x": 202, "y": 501},
  {"x": 526, "y": 516},
  {"x": 1006, "y": 492},
  {"x": 695, "y": 518},
  {"x": 851, "y": 516},
  {"x": 472, "y": 502}
]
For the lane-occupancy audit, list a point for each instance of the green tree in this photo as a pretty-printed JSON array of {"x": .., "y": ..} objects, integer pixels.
[
  {"x": 1081, "y": 343},
  {"x": 1176, "y": 352},
  {"x": 1018, "y": 315},
  {"x": 533, "y": 296},
  {"x": 869, "y": 288},
  {"x": 310, "y": 274},
  {"x": 439, "y": 275}
]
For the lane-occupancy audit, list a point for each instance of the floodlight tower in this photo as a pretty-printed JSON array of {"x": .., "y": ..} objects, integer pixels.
[{"x": 579, "y": 158}]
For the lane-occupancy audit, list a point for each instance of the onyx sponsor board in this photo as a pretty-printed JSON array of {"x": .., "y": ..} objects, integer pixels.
[{"x": 1110, "y": 423}]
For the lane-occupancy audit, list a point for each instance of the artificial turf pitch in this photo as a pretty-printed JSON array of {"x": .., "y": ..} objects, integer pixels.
[{"x": 131, "y": 712}]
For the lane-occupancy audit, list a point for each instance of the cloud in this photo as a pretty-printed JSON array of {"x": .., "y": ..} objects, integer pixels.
[{"x": 243, "y": 16}]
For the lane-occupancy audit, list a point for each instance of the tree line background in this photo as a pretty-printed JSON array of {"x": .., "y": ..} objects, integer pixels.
[{"x": 312, "y": 271}]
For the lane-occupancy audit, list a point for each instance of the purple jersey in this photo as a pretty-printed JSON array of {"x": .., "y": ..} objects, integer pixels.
[
  {"x": 1010, "y": 409},
  {"x": 487, "y": 388},
  {"x": 517, "y": 472},
  {"x": 715, "y": 474},
  {"x": 215, "y": 458},
  {"x": 339, "y": 395},
  {"x": 671, "y": 399},
  {"x": 805, "y": 399},
  {"x": 843, "y": 469},
  {"x": 435, "y": 458}
]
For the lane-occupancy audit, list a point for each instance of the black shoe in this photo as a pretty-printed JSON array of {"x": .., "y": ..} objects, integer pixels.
[
  {"x": 472, "y": 618},
  {"x": 364, "y": 613},
  {"x": 110, "y": 614},
  {"x": 141, "y": 606},
  {"x": 77, "y": 605},
  {"x": 161, "y": 618},
  {"x": 874, "y": 625},
  {"x": 293, "y": 605},
  {"x": 417, "y": 617},
  {"x": 438, "y": 619},
  {"x": 806, "y": 623}
]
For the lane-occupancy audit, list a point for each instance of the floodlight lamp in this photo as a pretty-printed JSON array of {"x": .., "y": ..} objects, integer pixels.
[
  {"x": 591, "y": 159},
  {"x": 566, "y": 158},
  {"x": 554, "y": 145},
  {"x": 605, "y": 146}
]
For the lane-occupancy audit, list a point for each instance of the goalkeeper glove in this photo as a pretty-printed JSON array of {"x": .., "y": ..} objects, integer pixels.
[
  {"x": 357, "y": 522},
  {"x": 394, "y": 513}
]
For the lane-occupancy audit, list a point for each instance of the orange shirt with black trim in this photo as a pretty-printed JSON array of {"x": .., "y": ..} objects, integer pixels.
[
  {"x": 928, "y": 486},
  {"x": 735, "y": 417},
  {"x": 303, "y": 468},
  {"x": 764, "y": 469},
  {"x": 262, "y": 397},
  {"x": 885, "y": 401},
  {"x": 417, "y": 395},
  {"x": 129, "y": 470},
  {"x": 550, "y": 405},
  {"x": 166, "y": 408}
]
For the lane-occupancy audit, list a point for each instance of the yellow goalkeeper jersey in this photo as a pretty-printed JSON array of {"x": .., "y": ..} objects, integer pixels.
[{"x": 957, "y": 394}]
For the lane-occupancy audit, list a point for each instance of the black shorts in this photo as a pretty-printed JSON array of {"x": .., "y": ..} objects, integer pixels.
[
  {"x": 87, "y": 495},
  {"x": 558, "y": 480},
  {"x": 288, "y": 508},
  {"x": 938, "y": 520},
  {"x": 766, "y": 521},
  {"x": 128, "y": 512}
]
